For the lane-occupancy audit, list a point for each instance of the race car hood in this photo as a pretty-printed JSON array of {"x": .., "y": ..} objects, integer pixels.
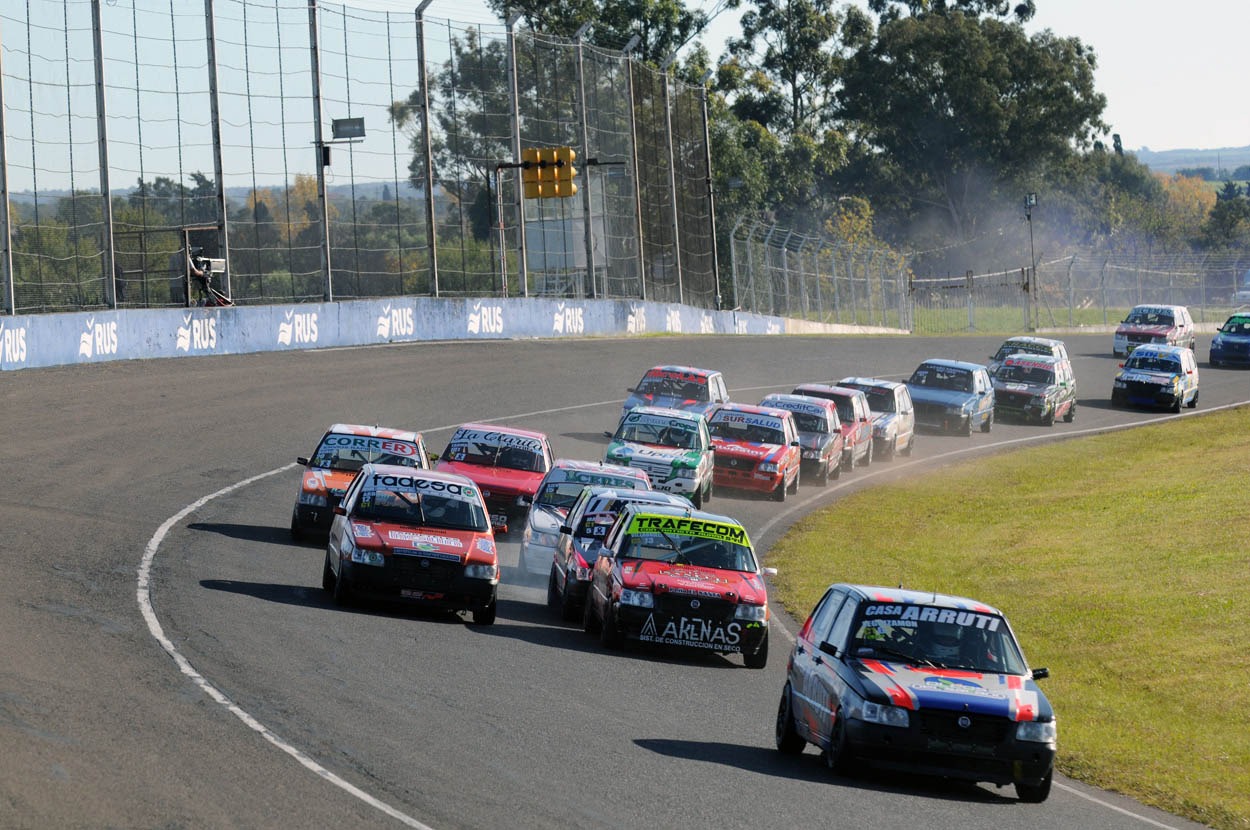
[
  {"x": 430, "y": 542},
  {"x": 331, "y": 482},
  {"x": 625, "y": 451},
  {"x": 1144, "y": 376},
  {"x": 816, "y": 440},
  {"x": 666, "y": 578},
  {"x": 1021, "y": 386},
  {"x": 1012, "y": 696},
  {"x": 1138, "y": 328},
  {"x": 755, "y": 453},
  {"x": 943, "y": 397},
  {"x": 882, "y": 420},
  {"x": 666, "y": 401},
  {"x": 496, "y": 481}
]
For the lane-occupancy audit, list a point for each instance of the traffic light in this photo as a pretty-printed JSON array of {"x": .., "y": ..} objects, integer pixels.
[{"x": 565, "y": 171}]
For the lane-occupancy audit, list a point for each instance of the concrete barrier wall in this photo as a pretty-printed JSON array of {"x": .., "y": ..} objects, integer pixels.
[{"x": 89, "y": 337}]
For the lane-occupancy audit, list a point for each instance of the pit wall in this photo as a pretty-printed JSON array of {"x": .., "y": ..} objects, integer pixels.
[{"x": 42, "y": 340}]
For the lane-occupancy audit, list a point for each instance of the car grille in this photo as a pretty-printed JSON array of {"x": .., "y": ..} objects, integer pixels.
[
  {"x": 656, "y": 470},
  {"x": 930, "y": 413},
  {"x": 1142, "y": 389},
  {"x": 679, "y": 605},
  {"x": 1139, "y": 338},
  {"x": 733, "y": 463},
  {"x": 982, "y": 730},
  {"x": 1012, "y": 400},
  {"x": 423, "y": 573}
]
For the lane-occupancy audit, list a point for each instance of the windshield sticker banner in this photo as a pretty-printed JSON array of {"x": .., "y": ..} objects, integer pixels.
[
  {"x": 911, "y": 614},
  {"x": 498, "y": 439},
  {"x": 359, "y": 442},
  {"x": 749, "y": 420},
  {"x": 699, "y": 528}
]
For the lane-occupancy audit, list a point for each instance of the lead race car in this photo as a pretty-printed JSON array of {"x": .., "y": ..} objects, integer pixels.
[
  {"x": 670, "y": 576},
  {"x": 415, "y": 536}
]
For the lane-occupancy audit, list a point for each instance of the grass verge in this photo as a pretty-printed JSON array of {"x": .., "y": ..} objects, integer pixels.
[{"x": 1123, "y": 564}]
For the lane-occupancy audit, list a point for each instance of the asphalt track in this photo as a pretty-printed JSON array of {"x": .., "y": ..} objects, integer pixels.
[{"x": 169, "y": 659}]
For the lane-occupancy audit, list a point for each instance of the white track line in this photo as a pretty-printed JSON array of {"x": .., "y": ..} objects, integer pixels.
[{"x": 158, "y": 633}]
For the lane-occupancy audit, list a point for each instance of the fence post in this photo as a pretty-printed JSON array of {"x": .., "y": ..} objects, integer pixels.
[
  {"x": 633, "y": 158},
  {"x": 428, "y": 150},
  {"x": 589, "y": 234},
  {"x": 320, "y": 148},
  {"x": 672, "y": 172},
  {"x": 6, "y": 232},
  {"x": 106, "y": 193},
  {"x": 219, "y": 170},
  {"x": 711, "y": 193},
  {"x": 514, "y": 97}
]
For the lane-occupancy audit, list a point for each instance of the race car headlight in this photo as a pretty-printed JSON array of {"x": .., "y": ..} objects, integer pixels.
[
  {"x": 884, "y": 714},
  {"x": 880, "y": 431},
  {"x": 360, "y": 556},
  {"x": 1120, "y": 384},
  {"x": 1037, "y": 731},
  {"x": 768, "y": 467},
  {"x": 756, "y": 613},
  {"x": 641, "y": 599},
  {"x": 955, "y": 409},
  {"x": 479, "y": 571},
  {"x": 545, "y": 540},
  {"x": 1218, "y": 341},
  {"x": 685, "y": 472},
  {"x": 811, "y": 454},
  {"x": 313, "y": 499}
]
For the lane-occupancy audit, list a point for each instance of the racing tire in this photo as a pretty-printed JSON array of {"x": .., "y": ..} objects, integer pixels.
[
  {"x": 1035, "y": 793},
  {"x": 966, "y": 430},
  {"x": 988, "y": 423},
  {"x": 327, "y": 574},
  {"x": 342, "y": 591},
  {"x": 779, "y": 494},
  {"x": 1116, "y": 400},
  {"x": 888, "y": 454},
  {"x": 568, "y": 611},
  {"x": 911, "y": 444},
  {"x": 822, "y": 478},
  {"x": 759, "y": 659},
  {"x": 589, "y": 624},
  {"x": 1070, "y": 415},
  {"x": 486, "y": 616},
  {"x": 789, "y": 741},
  {"x": 835, "y": 475},
  {"x": 297, "y": 532},
  {"x": 553, "y": 593},
  {"x": 610, "y": 636},
  {"x": 867, "y": 460},
  {"x": 836, "y": 757},
  {"x": 794, "y": 488},
  {"x": 1176, "y": 407},
  {"x": 1193, "y": 402}
]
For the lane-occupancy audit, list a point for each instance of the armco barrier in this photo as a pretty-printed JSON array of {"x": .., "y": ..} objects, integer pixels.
[{"x": 63, "y": 339}]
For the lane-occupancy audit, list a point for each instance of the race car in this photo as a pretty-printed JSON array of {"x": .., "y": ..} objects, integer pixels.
[
  {"x": 756, "y": 449},
  {"x": 854, "y": 416},
  {"x": 918, "y": 681},
  {"x": 342, "y": 451},
  {"x": 678, "y": 387},
  {"x": 506, "y": 462},
  {"x": 893, "y": 415},
  {"x": 581, "y": 541},
  {"x": 952, "y": 396},
  {"x": 820, "y": 434},
  {"x": 1157, "y": 324},
  {"x": 670, "y": 576},
  {"x": 1027, "y": 344},
  {"x": 674, "y": 448},
  {"x": 1034, "y": 388},
  {"x": 413, "y": 536},
  {"x": 557, "y": 492},
  {"x": 1231, "y": 343},
  {"x": 1157, "y": 376}
]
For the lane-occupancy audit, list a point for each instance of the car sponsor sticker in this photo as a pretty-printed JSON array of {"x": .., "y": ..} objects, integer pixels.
[
  {"x": 425, "y": 538},
  {"x": 699, "y": 528},
  {"x": 497, "y": 439},
  {"x": 411, "y": 483},
  {"x": 693, "y": 632},
  {"x": 910, "y": 614}
]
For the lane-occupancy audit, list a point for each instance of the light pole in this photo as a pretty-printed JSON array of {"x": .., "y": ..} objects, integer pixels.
[{"x": 1030, "y": 202}]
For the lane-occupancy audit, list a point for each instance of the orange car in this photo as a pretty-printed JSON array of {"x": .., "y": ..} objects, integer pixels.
[{"x": 343, "y": 450}]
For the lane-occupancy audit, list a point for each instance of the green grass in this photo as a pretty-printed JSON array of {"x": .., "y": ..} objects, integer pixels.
[{"x": 1123, "y": 564}]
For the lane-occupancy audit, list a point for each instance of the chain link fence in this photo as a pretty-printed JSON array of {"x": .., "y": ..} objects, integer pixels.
[{"x": 212, "y": 126}]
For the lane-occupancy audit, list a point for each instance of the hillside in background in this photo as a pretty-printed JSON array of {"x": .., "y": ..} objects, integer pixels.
[{"x": 1171, "y": 161}]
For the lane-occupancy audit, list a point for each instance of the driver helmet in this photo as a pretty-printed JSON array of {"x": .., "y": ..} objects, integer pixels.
[{"x": 942, "y": 641}]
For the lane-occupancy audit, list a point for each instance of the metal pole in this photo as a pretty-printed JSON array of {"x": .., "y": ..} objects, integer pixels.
[
  {"x": 514, "y": 97},
  {"x": 6, "y": 234},
  {"x": 633, "y": 151},
  {"x": 733, "y": 260},
  {"x": 503, "y": 249},
  {"x": 588, "y": 232},
  {"x": 672, "y": 175},
  {"x": 424, "y": 84},
  {"x": 106, "y": 193},
  {"x": 223, "y": 247},
  {"x": 319, "y": 142},
  {"x": 711, "y": 192}
]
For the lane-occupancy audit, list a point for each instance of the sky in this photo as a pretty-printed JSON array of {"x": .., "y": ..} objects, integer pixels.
[{"x": 1171, "y": 71}]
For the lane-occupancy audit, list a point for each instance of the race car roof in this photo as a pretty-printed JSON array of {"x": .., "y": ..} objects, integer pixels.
[
  {"x": 683, "y": 370},
  {"x": 665, "y": 412},
  {"x": 374, "y": 432},
  {"x": 617, "y": 471},
  {"x": 754, "y": 409},
  {"x": 880, "y": 383},
  {"x": 1146, "y": 349},
  {"x": 953, "y": 364},
  {"x": 528, "y": 433},
  {"x": 904, "y": 596}
]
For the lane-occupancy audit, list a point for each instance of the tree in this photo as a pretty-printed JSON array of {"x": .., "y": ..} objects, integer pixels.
[
  {"x": 954, "y": 114},
  {"x": 1228, "y": 223},
  {"x": 893, "y": 9}
]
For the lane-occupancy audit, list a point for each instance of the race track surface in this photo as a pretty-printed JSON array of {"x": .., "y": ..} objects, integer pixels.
[{"x": 169, "y": 659}]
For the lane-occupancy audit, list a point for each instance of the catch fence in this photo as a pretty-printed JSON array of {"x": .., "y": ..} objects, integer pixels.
[{"x": 325, "y": 152}]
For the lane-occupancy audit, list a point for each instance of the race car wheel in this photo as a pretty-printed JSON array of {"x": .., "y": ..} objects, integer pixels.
[
  {"x": 342, "y": 591},
  {"x": 297, "y": 533},
  {"x": 794, "y": 487},
  {"x": 1048, "y": 420},
  {"x": 911, "y": 443},
  {"x": 967, "y": 427},
  {"x": 837, "y": 471},
  {"x": 327, "y": 574},
  {"x": 486, "y": 616},
  {"x": 1070, "y": 415},
  {"x": 988, "y": 423},
  {"x": 1176, "y": 406},
  {"x": 789, "y": 742},
  {"x": 553, "y": 593},
  {"x": 779, "y": 494},
  {"x": 610, "y": 633},
  {"x": 1193, "y": 402},
  {"x": 698, "y": 497},
  {"x": 888, "y": 453},
  {"x": 836, "y": 757},
  {"x": 589, "y": 624},
  {"x": 568, "y": 611},
  {"x": 867, "y": 460},
  {"x": 1035, "y": 793},
  {"x": 759, "y": 659}
]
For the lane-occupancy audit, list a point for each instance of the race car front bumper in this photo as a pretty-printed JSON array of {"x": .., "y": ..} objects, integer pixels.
[
  {"x": 715, "y": 630},
  {"x": 427, "y": 582},
  {"x": 746, "y": 479}
]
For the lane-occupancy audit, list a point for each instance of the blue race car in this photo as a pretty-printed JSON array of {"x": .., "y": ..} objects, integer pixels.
[
  {"x": 952, "y": 396},
  {"x": 1232, "y": 341}
]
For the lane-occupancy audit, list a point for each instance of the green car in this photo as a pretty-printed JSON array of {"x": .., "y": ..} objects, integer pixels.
[{"x": 674, "y": 448}]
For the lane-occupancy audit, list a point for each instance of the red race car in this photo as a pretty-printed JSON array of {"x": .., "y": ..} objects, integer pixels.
[
  {"x": 856, "y": 418},
  {"x": 506, "y": 462},
  {"x": 757, "y": 449}
]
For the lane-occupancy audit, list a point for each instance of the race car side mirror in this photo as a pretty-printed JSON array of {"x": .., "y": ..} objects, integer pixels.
[
  {"x": 629, "y": 389},
  {"x": 566, "y": 529},
  {"x": 829, "y": 648},
  {"x": 768, "y": 571},
  {"x": 1038, "y": 674},
  {"x": 302, "y": 461},
  {"x": 607, "y": 433}
]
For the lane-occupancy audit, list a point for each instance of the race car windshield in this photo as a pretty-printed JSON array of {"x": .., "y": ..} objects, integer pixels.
[
  {"x": 560, "y": 494},
  {"x": 671, "y": 387},
  {"x": 750, "y": 433},
  {"x": 811, "y": 423},
  {"x": 487, "y": 454},
  {"x": 348, "y": 453},
  {"x": 411, "y": 508},
  {"x": 667, "y": 434},
  {"x": 694, "y": 551},
  {"x": 880, "y": 400},
  {"x": 936, "y": 637},
  {"x": 1236, "y": 327},
  {"x": 1152, "y": 363},
  {"x": 1149, "y": 318},
  {"x": 1027, "y": 374},
  {"x": 940, "y": 377}
]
